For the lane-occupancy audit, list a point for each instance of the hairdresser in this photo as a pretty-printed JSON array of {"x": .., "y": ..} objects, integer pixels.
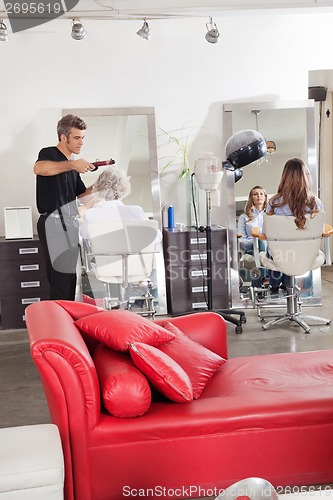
[{"x": 58, "y": 185}]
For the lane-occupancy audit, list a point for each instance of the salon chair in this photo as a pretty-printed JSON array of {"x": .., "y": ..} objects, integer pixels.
[
  {"x": 122, "y": 253},
  {"x": 294, "y": 252}
]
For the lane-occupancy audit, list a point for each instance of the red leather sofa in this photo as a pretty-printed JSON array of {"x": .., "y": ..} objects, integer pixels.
[{"x": 268, "y": 416}]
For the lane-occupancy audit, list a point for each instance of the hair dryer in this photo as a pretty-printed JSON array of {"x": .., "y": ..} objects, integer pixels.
[{"x": 98, "y": 163}]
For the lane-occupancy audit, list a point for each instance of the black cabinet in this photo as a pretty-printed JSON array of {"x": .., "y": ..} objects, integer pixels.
[
  {"x": 23, "y": 279},
  {"x": 185, "y": 256}
]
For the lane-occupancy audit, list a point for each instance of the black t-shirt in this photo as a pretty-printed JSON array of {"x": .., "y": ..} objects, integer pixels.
[{"x": 57, "y": 191}]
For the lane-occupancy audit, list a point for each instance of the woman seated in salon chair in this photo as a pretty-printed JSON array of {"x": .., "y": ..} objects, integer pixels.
[
  {"x": 111, "y": 187},
  {"x": 252, "y": 217},
  {"x": 294, "y": 197}
]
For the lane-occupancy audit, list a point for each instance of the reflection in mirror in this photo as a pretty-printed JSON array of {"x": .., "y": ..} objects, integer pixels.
[
  {"x": 290, "y": 125},
  {"x": 128, "y": 136}
]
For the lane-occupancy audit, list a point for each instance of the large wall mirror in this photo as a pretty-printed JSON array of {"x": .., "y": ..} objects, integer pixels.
[
  {"x": 128, "y": 136},
  {"x": 291, "y": 127}
]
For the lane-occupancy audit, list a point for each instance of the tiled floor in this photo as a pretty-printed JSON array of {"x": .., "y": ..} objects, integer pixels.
[{"x": 22, "y": 399}]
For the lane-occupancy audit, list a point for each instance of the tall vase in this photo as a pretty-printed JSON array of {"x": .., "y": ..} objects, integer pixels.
[{"x": 193, "y": 208}]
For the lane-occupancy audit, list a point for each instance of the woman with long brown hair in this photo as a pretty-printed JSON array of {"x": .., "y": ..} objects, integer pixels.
[{"x": 294, "y": 197}]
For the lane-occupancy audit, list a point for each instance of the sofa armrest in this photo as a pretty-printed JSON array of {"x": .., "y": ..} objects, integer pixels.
[
  {"x": 207, "y": 328},
  {"x": 71, "y": 386}
]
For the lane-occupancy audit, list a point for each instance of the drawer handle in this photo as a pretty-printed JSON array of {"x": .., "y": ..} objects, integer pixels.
[
  {"x": 202, "y": 256},
  {"x": 199, "y": 305},
  {"x": 30, "y": 284},
  {"x": 23, "y": 251},
  {"x": 198, "y": 289},
  {"x": 29, "y": 267},
  {"x": 199, "y": 273},
  {"x": 30, "y": 300},
  {"x": 195, "y": 241}
]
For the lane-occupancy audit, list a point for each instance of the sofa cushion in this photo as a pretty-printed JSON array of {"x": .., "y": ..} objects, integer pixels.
[
  {"x": 125, "y": 390},
  {"x": 117, "y": 329},
  {"x": 162, "y": 372},
  {"x": 197, "y": 361}
]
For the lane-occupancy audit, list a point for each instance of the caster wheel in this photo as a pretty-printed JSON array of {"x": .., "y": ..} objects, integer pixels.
[
  {"x": 243, "y": 319},
  {"x": 239, "y": 329}
]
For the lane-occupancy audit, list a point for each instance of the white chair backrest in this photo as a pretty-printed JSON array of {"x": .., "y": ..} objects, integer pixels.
[
  {"x": 123, "y": 250},
  {"x": 295, "y": 251}
]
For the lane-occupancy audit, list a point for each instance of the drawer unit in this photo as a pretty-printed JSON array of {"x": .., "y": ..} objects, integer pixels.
[
  {"x": 185, "y": 256},
  {"x": 13, "y": 309},
  {"x": 23, "y": 279}
]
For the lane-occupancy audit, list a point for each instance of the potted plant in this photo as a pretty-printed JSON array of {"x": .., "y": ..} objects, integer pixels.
[
  {"x": 181, "y": 139},
  {"x": 180, "y": 157}
]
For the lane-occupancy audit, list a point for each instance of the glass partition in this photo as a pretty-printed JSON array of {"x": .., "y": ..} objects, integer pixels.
[{"x": 128, "y": 136}]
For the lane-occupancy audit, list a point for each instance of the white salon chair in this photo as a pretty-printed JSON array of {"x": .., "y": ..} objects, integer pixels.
[
  {"x": 294, "y": 252},
  {"x": 122, "y": 253}
]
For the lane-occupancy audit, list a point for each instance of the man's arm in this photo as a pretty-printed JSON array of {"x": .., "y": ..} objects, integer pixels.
[{"x": 48, "y": 168}]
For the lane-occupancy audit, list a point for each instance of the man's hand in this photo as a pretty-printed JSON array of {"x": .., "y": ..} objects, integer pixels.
[{"x": 82, "y": 166}]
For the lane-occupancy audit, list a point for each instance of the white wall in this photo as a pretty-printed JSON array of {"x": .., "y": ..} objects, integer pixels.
[{"x": 263, "y": 56}]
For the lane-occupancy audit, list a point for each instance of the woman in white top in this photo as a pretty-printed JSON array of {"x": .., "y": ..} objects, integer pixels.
[{"x": 106, "y": 205}]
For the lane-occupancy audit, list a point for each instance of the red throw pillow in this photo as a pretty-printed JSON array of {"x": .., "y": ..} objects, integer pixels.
[
  {"x": 162, "y": 372},
  {"x": 125, "y": 390},
  {"x": 117, "y": 329},
  {"x": 196, "y": 360}
]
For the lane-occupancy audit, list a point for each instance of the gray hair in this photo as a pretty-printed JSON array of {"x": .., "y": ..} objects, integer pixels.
[{"x": 112, "y": 184}]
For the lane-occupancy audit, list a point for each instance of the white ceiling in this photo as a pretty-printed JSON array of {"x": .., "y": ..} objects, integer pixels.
[
  {"x": 120, "y": 9},
  {"x": 138, "y": 9}
]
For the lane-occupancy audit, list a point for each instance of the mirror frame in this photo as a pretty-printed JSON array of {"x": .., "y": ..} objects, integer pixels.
[
  {"x": 229, "y": 187},
  {"x": 149, "y": 112}
]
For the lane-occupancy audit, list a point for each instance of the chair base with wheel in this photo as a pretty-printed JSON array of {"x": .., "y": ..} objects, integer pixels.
[{"x": 293, "y": 312}]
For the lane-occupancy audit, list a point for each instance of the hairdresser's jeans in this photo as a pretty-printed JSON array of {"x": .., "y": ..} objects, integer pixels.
[{"x": 60, "y": 243}]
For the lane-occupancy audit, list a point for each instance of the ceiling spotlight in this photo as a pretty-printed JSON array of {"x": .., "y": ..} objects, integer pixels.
[
  {"x": 144, "y": 32},
  {"x": 212, "y": 35},
  {"x": 3, "y": 31},
  {"x": 78, "y": 30}
]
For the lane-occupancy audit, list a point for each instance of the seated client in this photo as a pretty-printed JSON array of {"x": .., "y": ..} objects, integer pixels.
[
  {"x": 111, "y": 187},
  {"x": 253, "y": 217},
  {"x": 294, "y": 197}
]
